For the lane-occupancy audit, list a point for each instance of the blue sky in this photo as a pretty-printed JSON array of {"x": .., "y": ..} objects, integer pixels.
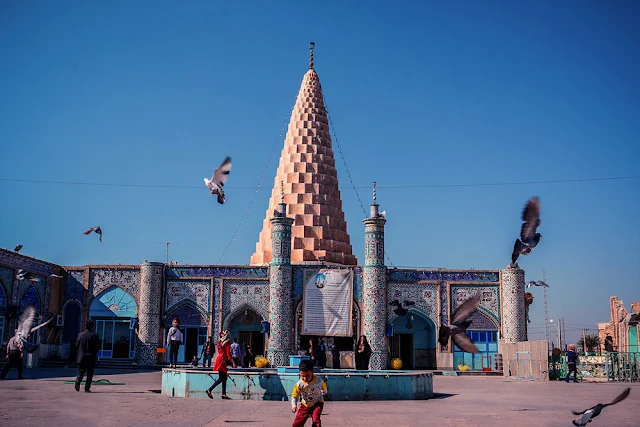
[{"x": 419, "y": 93}]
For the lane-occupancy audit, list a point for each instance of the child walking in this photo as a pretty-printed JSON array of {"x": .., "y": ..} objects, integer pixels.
[{"x": 311, "y": 391}]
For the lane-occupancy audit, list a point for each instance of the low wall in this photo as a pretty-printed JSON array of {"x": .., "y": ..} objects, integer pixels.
[{"x": 269, "y": 384}]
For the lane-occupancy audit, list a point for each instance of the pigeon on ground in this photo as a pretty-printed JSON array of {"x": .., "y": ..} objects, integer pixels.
[
  {"x": 22, "y": 274},
  {"x": 24, "y": 328},
  {"x": 594, "y": 411},
  {"x": 529, "y": 239},
  {"x": 17, "y": 248},
  {"x": 400, "y": 310},
  {"x": 537, "y": 283},
  {"x": 98, "y": 230},
  {"x": 459, "y": 325},
  {"x": 218, "y": 180}
]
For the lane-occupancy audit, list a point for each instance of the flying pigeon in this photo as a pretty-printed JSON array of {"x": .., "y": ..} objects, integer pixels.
[
  {"x": 17, "y": 248},
  {"x": 529, "y": 239},
  {"x": 22, "y": 274},
  {"x": 594, "y": 411},
  {"x": 459, "y": 325},
  {"x": 98, "y": 230},
  {"x": 537, "y": 283},
  {"x": 400, "y": 310},
  {"x": 218, "y": 180},
  {"x": 24, "y": 328},
  {"x": 55, "y": 275}
]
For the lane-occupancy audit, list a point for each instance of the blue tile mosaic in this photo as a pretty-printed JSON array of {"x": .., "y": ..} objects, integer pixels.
[
  {"x": 444, "y": 276},
  {"x": 253, "y": 272}
]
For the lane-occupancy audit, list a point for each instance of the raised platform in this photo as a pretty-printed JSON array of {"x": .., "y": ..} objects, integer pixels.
[{"x": 276, "y": 384}]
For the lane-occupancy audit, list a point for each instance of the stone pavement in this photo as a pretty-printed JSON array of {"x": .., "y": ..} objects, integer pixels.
[{"x": 44, "y": 400}]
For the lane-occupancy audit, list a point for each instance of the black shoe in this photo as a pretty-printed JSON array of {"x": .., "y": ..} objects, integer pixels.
[
  {"x": 209, "y": 394},
  {"x": 87, "y": 391},
  {"x": 224, "y": 396},
  {"x": 77, "y": 385}
]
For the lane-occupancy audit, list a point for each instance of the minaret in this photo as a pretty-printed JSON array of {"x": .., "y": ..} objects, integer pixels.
[
  {"x": 280, "y": 287},
  {"x": 374, "y": 287},
  {"x": 513, "y": 310},
  {"x": 307, "y": 168},
  {"x": 150, "y": 297}
]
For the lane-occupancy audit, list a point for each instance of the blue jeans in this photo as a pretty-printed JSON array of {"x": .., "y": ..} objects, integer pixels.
[
  {"x": 174, "y": 346},
  {"x": 572, "y": 368},
  {"x": 206, "y": 360}
]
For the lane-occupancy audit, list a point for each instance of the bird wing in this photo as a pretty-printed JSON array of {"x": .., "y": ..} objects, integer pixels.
[
  {"x": 517, "y": 247},
  {"x": 531, "y": 283},
  {"x": 465, "y": 343},
  {"x": 26, "y": 321},
  {"x": 40, "y": 325},
  {"x": 408, "y": 303},
  {"x": 531, "y": 218},
  {"x": 584, "y": 419},
  {"x": 467, "y": 308},
  {"x": 222, "y": 173},
  {"x": 395, "y": 302},
  {"x": 89, "y": 230},
  {"x": 620, "y": 398}
]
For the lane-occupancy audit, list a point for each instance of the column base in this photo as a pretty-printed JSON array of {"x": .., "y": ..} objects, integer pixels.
[
  {"x": 278, "y": 357},
  {"x": 146, "y": 354},
  {"x": 378, "y": 361}
]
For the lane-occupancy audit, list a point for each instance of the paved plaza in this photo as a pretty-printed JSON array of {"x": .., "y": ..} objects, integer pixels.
[{"x": 44, "y": 400}]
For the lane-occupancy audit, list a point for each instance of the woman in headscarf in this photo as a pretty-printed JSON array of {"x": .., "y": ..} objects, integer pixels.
[
  {"x": 363, "y": 354},
  {"x": 224, "y": 355}
]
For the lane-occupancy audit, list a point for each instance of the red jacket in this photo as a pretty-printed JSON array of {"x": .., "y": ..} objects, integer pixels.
[{"x": 224, "y": 355}]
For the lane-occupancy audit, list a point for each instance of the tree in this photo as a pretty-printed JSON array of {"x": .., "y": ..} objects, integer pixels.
[{"x": 592, "y": 341}]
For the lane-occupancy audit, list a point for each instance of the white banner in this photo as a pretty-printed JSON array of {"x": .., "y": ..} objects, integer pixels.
[{"x": 327, "y": 300}]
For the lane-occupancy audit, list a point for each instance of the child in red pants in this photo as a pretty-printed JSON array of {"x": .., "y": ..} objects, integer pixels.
[{"x": 311, "y": 390}]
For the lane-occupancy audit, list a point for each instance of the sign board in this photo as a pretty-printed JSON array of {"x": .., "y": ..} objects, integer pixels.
[{"x": 327, "y": 303}]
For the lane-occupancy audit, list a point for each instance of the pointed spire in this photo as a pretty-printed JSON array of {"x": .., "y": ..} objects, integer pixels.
[
  {"x": 312, "y": 46},
  {"x": 307, "y": 171},
  {"x": 374, "y": 191},
  {"x": 374, "y": 205}
]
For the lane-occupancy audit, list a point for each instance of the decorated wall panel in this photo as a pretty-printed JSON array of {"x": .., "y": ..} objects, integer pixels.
[
  {"x": 189, "y": 315},
  {"x": 425, "y": 296},
  {"x": 125, "y": 278},
  {"x": 490, "y": 297},
  {"x": 250, "y": 293},
  {"x": 73, "y": 287},
  {"x": 6, "y": 277},
  {"x": 196, "y": 291},
  {"x": 205, "y": 271},
  {"x": 443, "y": 276}
]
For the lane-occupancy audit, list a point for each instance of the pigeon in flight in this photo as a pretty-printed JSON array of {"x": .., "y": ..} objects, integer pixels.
[
  {"x": 218, "y": 180},
  {"x": 459, "y": 324},
  {"x": 98, "y": 230},
  {"x": 537, "y": 283},
  {"x": 589, "y": 414},
  {"x": 24, "y": 328},
  {"x": 400, "y": 310},
  {"x": 22, "y": 274},
  {"x": 529, "y": 239},
  {"x": 17, "y": 248},
  {"x": 55, "y": 275}
]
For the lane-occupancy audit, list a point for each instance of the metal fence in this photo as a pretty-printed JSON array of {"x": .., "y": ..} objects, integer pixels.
[{"x": 612, "y": 366}]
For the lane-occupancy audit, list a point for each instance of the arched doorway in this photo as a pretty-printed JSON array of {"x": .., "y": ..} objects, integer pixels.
[
  {"x": 112, "y": 310},
  {"x": 244, "y": 324},
  {"x": 414, "y": 340},
  {"x": 194, "y": 328},
  {"x": 30, "y": 298},
  {"x": 72, "y": 321},
  {"x": 484, "y": 333}
]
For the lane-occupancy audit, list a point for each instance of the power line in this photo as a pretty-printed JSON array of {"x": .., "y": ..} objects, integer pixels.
[{"x": 388, "y": 187}]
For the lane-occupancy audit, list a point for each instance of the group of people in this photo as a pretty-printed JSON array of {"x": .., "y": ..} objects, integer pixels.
[{"x": 317, "y": 352}]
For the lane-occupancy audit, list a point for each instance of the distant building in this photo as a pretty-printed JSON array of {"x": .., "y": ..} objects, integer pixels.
[
  {"x": 622, "y": 330},
  {"x": 304, "y": 232}
]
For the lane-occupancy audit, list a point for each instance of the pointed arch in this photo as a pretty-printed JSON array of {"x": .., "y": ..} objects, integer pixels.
[
  {"x": 189, "y": 314},
  {"x": 238, "y": 311},
  {"x": 483, "y": 320},
  {"x": 72, "y": 311},
  {"x": 113, "y": 302}
]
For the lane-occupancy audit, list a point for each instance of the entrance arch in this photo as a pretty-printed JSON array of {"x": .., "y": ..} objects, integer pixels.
[
  {"x": 194, "y": 327},
  {"x": 484, "y": 333},
  {"x": 72, "y": 321},
  {"x": 414, "y": 340},
  {"x": 244, "y": 324},
  {"x": 112, "y": 310}
]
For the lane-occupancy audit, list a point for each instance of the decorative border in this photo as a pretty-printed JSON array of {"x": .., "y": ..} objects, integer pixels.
[
  {"x": 231, "y": 272},
  {"x": 462, "y": 276}
]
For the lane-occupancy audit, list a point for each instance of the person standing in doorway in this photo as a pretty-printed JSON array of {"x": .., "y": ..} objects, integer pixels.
[
  {"x": 363, "y": 354},
  {"x": 224, "y": 356},
  {"x": 207, "y": 353},
  {"x": 87, "y": 347},
  {"x": 335, "y": 356},
  {"x": 14, "y": 354},
  {"x": 236, "y": 352},
  {"x": 174, "y": 339}
]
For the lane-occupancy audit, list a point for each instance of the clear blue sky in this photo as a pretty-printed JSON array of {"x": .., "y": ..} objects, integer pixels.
[{"x": 420, "y": 93}]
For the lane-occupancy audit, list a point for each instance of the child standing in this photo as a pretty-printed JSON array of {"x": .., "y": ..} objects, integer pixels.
[
  {"x": 572, "y": 361},
  {"x": 311, "y": 391},
  {"x": 174, "y": 339}
]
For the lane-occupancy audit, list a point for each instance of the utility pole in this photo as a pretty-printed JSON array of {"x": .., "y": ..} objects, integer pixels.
[
  {"x": 546, "y": 312},
  {"x": 167, "y": 249},
  {"x": 584, "y": 340},
  {"x": 564, "y": 333}
]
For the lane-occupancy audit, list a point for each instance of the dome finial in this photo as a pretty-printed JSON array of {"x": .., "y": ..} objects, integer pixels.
[
  {"x": 281, "y": 191},
  {"x": 374, "y": 191},
  {"x": 312, "y": 46}
]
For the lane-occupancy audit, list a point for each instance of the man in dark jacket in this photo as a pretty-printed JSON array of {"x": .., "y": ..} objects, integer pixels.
[{"x": 87, "y": 347}]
